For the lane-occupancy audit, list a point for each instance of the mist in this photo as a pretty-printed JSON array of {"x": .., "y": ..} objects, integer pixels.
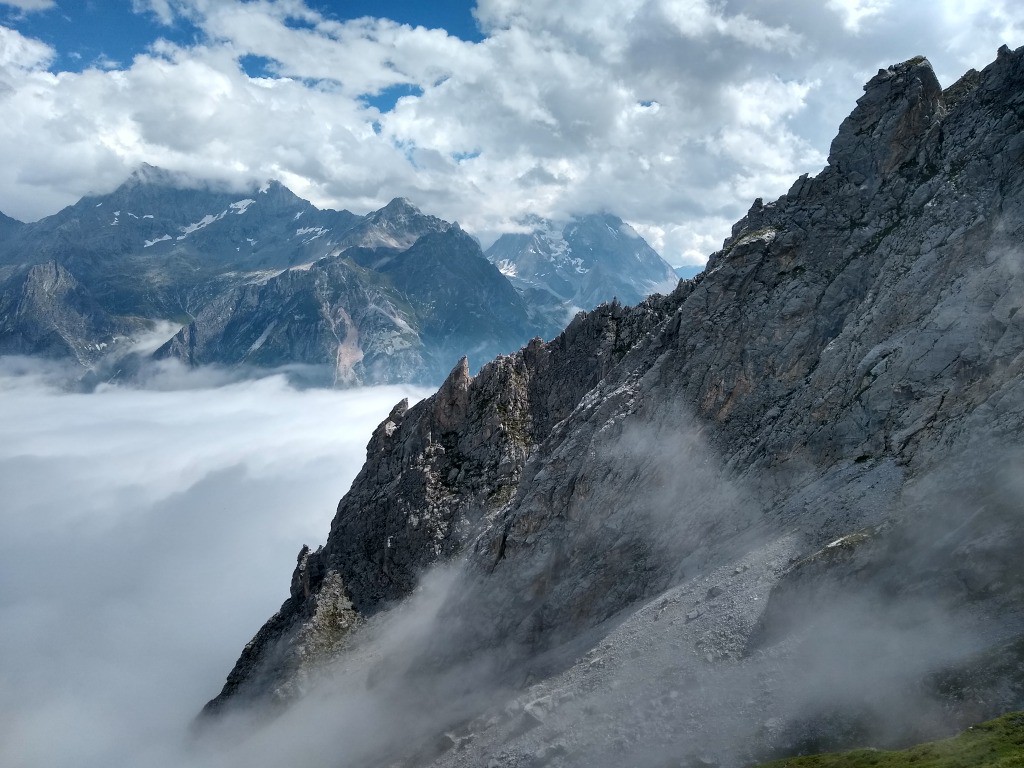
[{"x": 148, "y": 533}]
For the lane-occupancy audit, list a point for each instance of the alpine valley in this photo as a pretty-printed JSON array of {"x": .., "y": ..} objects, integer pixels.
[
  {"x": 263, "y": 280},
  {"x": 776, "y": 510}
]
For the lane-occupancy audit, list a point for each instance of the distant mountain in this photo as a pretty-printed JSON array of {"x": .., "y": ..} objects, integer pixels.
[
  {"x": 587, "y": 261},
  {"x": 687, "y": 271},
  {"x": 398, "y": 224},
  {"x": 263, "y": 278},
  {"x": 260, "y": 278},
  {"x": 8, "y": 226},
  {"x": 45, "y": 311},
  {"x": 366, "y": 314},
  {"x": 150, "y": 247}
]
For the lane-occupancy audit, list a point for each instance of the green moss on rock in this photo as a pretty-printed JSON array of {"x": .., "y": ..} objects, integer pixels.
[{"x": 998, "y": 743}]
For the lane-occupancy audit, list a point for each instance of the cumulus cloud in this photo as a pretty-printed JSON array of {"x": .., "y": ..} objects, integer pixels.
[
  {"x": 147, "y": 535},
  {"x": 672, "y": 114},
  {"x": 20, "y": 54}
]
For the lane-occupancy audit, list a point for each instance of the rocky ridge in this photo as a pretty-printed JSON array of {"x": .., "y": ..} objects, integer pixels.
[{"x": 677, "y": 518}]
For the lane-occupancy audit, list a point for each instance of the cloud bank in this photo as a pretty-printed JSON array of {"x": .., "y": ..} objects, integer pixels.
[
  {"x": 147, "y": 535},
  {"x": 674, "y": 114}
]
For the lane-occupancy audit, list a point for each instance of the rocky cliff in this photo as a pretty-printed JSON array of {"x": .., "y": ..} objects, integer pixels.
[{"x": 775, "y": 510}]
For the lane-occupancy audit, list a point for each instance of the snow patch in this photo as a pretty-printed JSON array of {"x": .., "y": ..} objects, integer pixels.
[
  {"x": 157, "y": 240},
  {"x": 241, "y": 206},
  {"x": 507, "y": 268},
  {"x": 314, "y": 231},
  {"x": 298, "y": 215},
  {"x": 206, "y": 221},
  {"x": 263, "y": 337},
  {"x": 148, "y": 216}
]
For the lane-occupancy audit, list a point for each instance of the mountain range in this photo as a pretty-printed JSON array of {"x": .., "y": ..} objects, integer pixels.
[
  {"x": 774, "y": 511},
  {"x": 265, "y": 280}
]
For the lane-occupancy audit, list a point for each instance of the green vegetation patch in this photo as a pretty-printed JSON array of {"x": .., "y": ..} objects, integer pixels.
[{"x": 998, "y": 743}]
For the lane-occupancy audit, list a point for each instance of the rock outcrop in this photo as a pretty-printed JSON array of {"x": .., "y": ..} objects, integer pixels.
[{"x": 677, "y": 520}]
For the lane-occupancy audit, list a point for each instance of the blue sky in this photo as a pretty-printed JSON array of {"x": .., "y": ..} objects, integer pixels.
[
  {"x": 104, "y": 32},
  {"x": 673, "y": 114},
  {"x": 108, "y": 34}
]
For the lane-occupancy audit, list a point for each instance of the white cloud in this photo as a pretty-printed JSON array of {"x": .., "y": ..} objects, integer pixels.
[
  {"x": 161, "y": 9},
  {"x": 698, "y": 19},
  {"x": 19, "y": 54},
  {"x": 853, "y": 12},
  {"x": 672, "y": 114},
  {"x": 29, "y": 5},
  {"x": 147, "y": 535}
]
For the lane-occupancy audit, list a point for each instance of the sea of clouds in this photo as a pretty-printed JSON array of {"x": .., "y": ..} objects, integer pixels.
[{"x": 147, "y": 534}]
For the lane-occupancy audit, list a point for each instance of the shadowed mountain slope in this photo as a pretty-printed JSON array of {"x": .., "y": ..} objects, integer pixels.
[{"x": 776, "y": 510}]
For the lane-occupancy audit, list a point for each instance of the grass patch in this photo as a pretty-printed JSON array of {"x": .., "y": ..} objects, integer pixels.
[{"x": 998, "y": 743}]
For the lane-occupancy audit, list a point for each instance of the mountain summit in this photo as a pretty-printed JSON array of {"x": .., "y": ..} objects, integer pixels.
[
  {"x": 586, "y": 261},
  {"x": 774, "y": 511}
]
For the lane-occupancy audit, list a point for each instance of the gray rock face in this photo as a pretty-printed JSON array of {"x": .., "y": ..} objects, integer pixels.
[
  {"x": 365, "y": 315},
  {"x": 801, "y": 466},
  {"x": 434, "y": 473},
  {"x": 398, "y": 225},
  {"x": 327, "y": 316},
  {"x": 592, "y": 259},
  {"x": 9, "y": 226},
  {"x": 45, "y": 311}
]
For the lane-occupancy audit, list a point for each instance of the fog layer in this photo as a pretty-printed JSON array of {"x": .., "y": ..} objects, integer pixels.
[{"x": 146, "y": 536}]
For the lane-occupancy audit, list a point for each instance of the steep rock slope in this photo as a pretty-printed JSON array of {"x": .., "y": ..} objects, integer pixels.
[
  {"x": 809, "y": 452},
  {"x": 8, "y": 225},
  {"x": 433, "y": 473},
  {"x": 45, "y": 311},
  {"x": 341, "y": 321}
]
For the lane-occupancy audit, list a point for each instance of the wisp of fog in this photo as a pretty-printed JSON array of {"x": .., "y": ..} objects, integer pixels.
[{"x": 147, "y": 534}]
